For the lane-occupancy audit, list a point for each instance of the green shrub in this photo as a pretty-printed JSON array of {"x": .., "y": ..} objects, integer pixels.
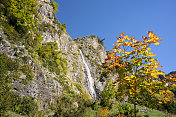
[
  {"x": 9, "y": 30},
  {"x": 70, "y": 105},
  {"x": 15, "y": 103},
  {"x": 15, "y": 37},
  {"x": 20, "y": 14},
  {"x": 6, "y": 64},
  {"x": 108, "y": 94},
  {"x": 18, "y": 23},
  {"x": 8, "y": 100},
  {"x": 62, "y": 27},
  {"x": 52, "y": 59},
  {"x": 92, "y": 36},
  {"x": 90, "y": 113},
  {"x": 122, "y": 108},
  {"x": 65, "y": 108},
  {"x": 26, "y": 69},
  {"x": 25, "y": 106},
  {"x": 82, "y": 91},
  {"x": 53, "y": 90},
  {"x": 55, "y": 6}
]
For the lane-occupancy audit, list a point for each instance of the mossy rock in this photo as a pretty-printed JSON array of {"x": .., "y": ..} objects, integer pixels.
[{"x": 52, "y": 59}]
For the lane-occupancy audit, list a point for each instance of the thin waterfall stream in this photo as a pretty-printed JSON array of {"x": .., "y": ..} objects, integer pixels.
[{"x": 90, "y": 79}]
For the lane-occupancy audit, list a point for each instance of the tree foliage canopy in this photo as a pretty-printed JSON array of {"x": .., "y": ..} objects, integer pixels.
[{"x": 137, "y": 68}]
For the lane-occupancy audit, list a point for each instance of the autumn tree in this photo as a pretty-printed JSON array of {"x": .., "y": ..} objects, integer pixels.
[{"x": 137, "y": 68}]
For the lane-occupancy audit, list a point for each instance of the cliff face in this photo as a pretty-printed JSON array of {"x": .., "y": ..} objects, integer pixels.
[
  {"x": 95, "y": 54},
  {"x": 57, "y": 66}
]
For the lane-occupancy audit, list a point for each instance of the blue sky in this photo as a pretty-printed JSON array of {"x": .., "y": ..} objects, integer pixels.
[{"x": 107, "y": 18}]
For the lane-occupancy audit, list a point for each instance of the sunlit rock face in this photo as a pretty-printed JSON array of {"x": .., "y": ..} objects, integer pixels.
[{"x": 46, "y": 11}]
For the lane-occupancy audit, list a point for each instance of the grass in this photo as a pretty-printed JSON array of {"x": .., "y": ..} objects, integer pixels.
[
  {"x": 153, "y": 113},
  {"x": 13, "y": 114},
  {"x": 156, "y": 113},
  {"x": 90, "y": 113}
]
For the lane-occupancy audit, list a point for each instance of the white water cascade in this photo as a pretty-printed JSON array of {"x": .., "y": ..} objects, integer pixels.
[{"x": 90, "y": 79}]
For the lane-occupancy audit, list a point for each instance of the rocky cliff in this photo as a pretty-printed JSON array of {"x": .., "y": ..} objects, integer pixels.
[{"x": 57, "y": 66}]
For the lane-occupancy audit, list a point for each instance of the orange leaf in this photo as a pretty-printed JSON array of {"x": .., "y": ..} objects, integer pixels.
[
  {"x": 107, "y": 59},
  {"x": 122, "y": 34},
  {"x": 116, "y": 44},
  {"x": 160, "y": 66},
  {"x": 149, "y": 32},
  {"x": 145, "y": 38},
  {"x": 126, "y": 37}
]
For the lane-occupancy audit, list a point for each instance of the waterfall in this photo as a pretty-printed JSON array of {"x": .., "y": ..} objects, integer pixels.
[{"x": 90, "y": 79}]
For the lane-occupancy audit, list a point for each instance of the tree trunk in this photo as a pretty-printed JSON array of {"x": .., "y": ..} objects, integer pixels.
[{"x": 135, "y": 109}]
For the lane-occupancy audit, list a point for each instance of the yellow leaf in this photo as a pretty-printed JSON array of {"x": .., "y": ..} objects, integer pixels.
[
  {"x": 137, "y": 91},
  {"x": 134, "y": 41},
  {"x": 149, "y": 49},
  {"x": 127, "y": 53},
  {"x": 120, "y": 51},
  {"x": 132, "y": 76},
  {"x": 115, "y": 50},
  {"x": 150, "y": 34},
  {"x": 151, "y": 54},
  {"x": 157, "y": 43},
  {"x": 126, "y": 37},
  {"x": 155, "y": 75}
]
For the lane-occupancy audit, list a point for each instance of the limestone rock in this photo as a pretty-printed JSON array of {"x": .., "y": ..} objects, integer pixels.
[{"x": 44, "y": 84}]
